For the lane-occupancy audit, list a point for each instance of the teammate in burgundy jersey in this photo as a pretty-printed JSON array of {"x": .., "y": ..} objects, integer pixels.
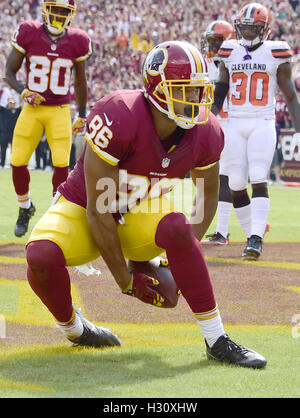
[
  {"x": 138, "y": 143},
  {"x": 52, "y": 51}
]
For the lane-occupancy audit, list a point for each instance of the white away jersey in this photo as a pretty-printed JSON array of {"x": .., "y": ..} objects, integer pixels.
[{"x": 253, "y": 82}]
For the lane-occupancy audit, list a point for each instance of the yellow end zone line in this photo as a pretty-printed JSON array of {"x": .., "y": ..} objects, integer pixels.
[
  {"x": 7, "y": 384},
  {"x": 14, "y": 242},
  {"x": 12, "y": 260},
  {"x": 270, "y": 264},
  {"x": 273, "y": 264}
]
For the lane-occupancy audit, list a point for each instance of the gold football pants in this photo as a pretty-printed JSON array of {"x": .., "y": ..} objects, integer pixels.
[
  {"x": 55, "y": 122},
  {"x": 66, "y": 224}
]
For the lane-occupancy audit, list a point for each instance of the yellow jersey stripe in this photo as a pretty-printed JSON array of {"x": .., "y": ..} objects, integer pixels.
[
  {"x": 206, "y": 167},
  {"x": 102, "y": 154},
  {"x": 18, "y": 48}
]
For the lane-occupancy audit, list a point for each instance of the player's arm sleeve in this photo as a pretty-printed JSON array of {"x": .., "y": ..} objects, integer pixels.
[
  {"x": 220, "y": 93},
  {"x": 221, "y": 88},
  {"x": 222, "y": 83}
]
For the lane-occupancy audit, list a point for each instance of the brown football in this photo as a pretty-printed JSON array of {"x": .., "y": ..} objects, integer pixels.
[{"x": 167, "y": 287}]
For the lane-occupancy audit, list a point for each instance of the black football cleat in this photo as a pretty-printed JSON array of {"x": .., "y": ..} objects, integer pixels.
[
  {"x": 94, "y": 336},
  {"x": 216, "y": 239},
  {"x": 244, "y": 253},
  {"x": 227, "y": 351},
  {"x": 21, "y": 226},
  {"x": 253, "y": 249}
]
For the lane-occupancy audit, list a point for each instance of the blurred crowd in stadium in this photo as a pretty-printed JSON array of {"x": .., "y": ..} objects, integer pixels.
[{"x": 123, "y": 31}]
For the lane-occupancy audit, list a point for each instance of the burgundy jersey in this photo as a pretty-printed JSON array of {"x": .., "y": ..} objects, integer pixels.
[
  {"x": 49, "y": 62},
  {"x": 120, "y": 129}
]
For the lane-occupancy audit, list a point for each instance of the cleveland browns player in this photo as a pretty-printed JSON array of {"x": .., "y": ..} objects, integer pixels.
[
  {"x": 215, "y": 34},
  {"x": 251, "y": 70},
  {"x": 52, "y": 51},
  {"x": 114, "y": 204}
]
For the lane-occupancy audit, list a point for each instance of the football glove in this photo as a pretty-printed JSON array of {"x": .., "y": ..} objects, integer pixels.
[
  {"x": 32, "y": 97},
  {"x": 139, "y": 287},
  {"x": 78, "y": 125}
]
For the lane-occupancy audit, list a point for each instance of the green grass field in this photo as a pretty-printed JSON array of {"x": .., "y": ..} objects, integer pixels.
[
  {"x": 283, "y": 216},
  {"x": 157, "y": 360}
]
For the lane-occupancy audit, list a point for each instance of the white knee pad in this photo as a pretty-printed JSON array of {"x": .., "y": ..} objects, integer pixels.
[
  {"x": 238, "y": 179},
  {"x": 258, "y": 173}
]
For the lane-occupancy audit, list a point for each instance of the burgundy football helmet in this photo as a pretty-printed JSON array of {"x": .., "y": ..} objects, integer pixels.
[
  {"x": 58, "y": 14},
  {"x": 177, "y": 64},
  {"x": 252, "y": 24}
]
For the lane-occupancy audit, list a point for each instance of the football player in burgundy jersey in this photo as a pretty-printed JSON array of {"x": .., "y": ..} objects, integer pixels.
[
  {"x": 251, "y": 69},
  {"x": 113, "y": 204},
  {"x": 52, "y": 51}
]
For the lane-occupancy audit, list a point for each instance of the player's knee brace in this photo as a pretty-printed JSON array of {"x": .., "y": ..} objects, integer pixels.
[
  {"x": 260, "y": 190},
  {"x": 224, "y": 192},
  {"x": 240, "y": 199}
]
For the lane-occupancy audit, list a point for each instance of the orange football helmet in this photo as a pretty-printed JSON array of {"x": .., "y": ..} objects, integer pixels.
[
  {"x": 216, "y": 33},
  {"x": 252, "y": 24}
]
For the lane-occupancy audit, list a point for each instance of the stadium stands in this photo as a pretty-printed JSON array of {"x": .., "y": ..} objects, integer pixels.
[{"x": 123, "y": 31}]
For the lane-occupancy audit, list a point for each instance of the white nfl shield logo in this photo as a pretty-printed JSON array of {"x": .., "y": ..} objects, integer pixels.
[{"x": 165, "y": 162}]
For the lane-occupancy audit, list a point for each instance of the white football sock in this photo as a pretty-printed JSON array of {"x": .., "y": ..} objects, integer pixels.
[
  {"x": 260, "y": 207},
  {"x": 24, "y": 200},
  {"x": 243, "y": 215},
  {"x": 223, "y": 211},
  {"x": 73, "y": 329},
  {"x": 211, "y": 328}
]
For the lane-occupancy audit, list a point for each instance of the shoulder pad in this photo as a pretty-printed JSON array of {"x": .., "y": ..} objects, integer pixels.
[
  {"x": 227, "y": 48},
  {"x": 280, "y": 49}
]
